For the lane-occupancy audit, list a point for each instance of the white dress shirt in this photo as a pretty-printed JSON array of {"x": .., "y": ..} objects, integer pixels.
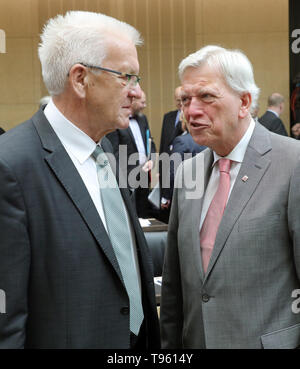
[
  {"x": 136, "y": 131},
  {"x": 237, "y": 157},
  {"x": 274, "y": 112},
  {"x": 80, "y": 147}
]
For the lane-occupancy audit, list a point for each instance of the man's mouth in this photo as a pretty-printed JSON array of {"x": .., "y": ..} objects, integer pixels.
[
  {"x": 128, "y": 108},
  {"x": 198, "y": 125}
]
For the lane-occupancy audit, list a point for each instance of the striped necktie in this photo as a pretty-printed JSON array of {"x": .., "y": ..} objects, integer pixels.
[{"x": 119, "y": 234}]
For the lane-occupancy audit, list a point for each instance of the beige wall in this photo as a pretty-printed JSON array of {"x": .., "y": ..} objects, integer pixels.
[{"x": 171, "y": 29}]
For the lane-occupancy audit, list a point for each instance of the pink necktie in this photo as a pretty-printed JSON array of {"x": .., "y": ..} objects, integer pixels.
[{"x": 214, "y": 214}]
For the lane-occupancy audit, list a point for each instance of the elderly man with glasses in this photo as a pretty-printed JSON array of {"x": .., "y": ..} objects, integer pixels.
[{"x": 74, "y": 263}]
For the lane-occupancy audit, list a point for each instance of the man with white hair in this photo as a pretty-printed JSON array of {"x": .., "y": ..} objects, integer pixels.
[
  {"x": 232, "y": 263},
  {"x": 74, "y": 263}
]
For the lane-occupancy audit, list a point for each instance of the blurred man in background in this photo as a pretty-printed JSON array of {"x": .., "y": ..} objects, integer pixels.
[
  {"x": 136, "y": 164},
  {"x": 271, "y": 119}
]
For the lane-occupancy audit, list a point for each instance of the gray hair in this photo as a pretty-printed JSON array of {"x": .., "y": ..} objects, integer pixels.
[
  {"x": 275, "y": 99},
  {"x": 232, "y": 64},
  {"x": 44, "y": 100},
  {"x": 77, "y": 37}
]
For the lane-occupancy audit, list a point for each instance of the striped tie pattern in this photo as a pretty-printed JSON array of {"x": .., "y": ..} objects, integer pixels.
[{"x": 120, "y": 236}]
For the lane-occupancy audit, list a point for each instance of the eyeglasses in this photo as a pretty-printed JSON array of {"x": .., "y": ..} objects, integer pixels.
[{"x": 131, "y": 79}]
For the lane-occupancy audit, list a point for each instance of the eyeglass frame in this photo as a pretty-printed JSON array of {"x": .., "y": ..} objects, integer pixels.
[{"x": 122, "y": 74}]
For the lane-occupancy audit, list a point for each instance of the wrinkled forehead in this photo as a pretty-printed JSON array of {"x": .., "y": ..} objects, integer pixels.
[
  {"x": 202, "y": 77},
  {"x": 198, "y": 88}
]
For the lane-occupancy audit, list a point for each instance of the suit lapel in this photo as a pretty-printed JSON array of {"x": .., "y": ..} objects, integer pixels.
[
  {"x": 69, "y": 178},
  {"x": 254, "y": 167},
  {"x": 132, "y": 215},
  {"x": 171, "y": 127},
  {"x": 124, "y": 191},
  {"x": 143, "y": 128}
]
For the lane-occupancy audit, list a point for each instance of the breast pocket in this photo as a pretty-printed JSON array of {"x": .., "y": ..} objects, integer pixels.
[
  {"x": 261, "y": 224},
  {"x": 287, "y": 338}
]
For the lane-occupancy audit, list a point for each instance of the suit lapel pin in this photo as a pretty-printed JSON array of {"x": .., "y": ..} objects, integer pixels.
[{"x": 245, "y": 178}]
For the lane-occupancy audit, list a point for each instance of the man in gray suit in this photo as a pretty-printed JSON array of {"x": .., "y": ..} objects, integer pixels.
[
  {"x": 63, "y": 245},
  {"x": 231, "y": 276}
]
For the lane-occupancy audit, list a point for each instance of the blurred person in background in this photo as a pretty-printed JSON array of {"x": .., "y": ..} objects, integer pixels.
[
  {"x": 138, "y": 168},
  {"x": 271, "y": 119}
]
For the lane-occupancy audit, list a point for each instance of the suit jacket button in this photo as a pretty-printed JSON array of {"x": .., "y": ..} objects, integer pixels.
[
  {"x": 205, "y": 297},
  {"x": 124, "y": 310}
]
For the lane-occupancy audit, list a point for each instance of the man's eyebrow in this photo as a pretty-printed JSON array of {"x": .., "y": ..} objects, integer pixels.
[
  {"x": 205, "y": 89},
  {"x": 199, "y": 90}
]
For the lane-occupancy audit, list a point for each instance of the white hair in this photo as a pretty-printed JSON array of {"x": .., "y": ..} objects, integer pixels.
[
  {"x": 44, "y": 100},
  {"x": 233, "y": 65},
  {"x": 77, "y": 37}
]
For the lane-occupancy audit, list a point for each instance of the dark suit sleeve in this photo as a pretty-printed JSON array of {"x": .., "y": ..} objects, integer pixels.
[
  {"x": 178, "y": 147},
  {"x": 14, "y": 260},
  {"x": 153, "y": 150},
  {"x": 278, "y": 127},
  {"x": 163, "y": 135},
  {"x": 153, "y": 146},
  {"x": 114, "y": 138}
]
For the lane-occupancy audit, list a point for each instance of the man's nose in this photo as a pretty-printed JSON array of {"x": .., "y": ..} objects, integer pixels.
[
  {"x": 195, "y": 107},
  {"x": 135, "y": 91}
]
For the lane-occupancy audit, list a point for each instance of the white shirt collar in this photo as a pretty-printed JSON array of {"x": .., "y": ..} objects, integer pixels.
[
  {"x": 274, "y": 112},
  {"x": 238, "y": 153},
  {"x": 72, "y": 138}
]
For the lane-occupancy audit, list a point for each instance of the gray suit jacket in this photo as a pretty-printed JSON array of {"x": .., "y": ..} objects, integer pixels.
[
  {"x": 245, "y": 298},
  {"x": 62, "y": 281}
]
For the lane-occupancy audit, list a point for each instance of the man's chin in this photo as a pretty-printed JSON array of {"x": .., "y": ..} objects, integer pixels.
[
  {"x": 123, "y": 123},
  {"x": 199, "y": 139}
]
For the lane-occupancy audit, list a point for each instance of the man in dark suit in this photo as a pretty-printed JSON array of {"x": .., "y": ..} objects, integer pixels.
[
  {"x": 170, "y": 130},
  {"x": 61, "y": 267},
  {"x": 136, "y": 163},
  {"x": 271, "y": 119},
  {"x": 184, "y": 146},
  {"x": 170, "y": 121}
]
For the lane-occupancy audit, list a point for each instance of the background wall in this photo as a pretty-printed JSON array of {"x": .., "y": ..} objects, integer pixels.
[{"x": 171, "y": 30}]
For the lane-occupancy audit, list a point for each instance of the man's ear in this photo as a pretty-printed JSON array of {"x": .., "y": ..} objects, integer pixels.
[
  {"x": 246, "y": 100},
  {"x": 78, "y": 79}
]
